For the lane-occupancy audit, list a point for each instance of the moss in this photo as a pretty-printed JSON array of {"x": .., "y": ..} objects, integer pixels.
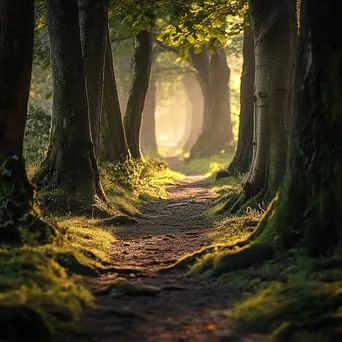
[
  {"x": 31, "y": 277},
  {"x": 306, "y": 305}
]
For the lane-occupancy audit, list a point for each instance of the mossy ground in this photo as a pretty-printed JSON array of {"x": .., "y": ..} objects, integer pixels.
[
  {"x": 288, "y": 298},
  {"x": 51, "y": 280},
  {"x": 208, "y": 166}
]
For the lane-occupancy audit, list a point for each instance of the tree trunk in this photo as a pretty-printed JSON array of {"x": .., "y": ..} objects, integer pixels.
[
  {"x": 135, "y": 105},
  {"x": 309, "y": 204},
  {"x": 196, "y": 115},
  {"x": 243, "y": 156},
  {"x": 17, "y": 209},
  {"x": 93, "y": 30},
  {"x": 214, "y": 74},
  {"x": 148, "y": 130},
  {"x": 274, "y": 27},
  {"x": 70, "y": 164},
  {"x": 114, "y": 145}
]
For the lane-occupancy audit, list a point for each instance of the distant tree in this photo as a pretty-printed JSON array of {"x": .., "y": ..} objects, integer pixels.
[
  {"x": 148, "y": 130},
  {"x": 193, "y": 91},
  {"x": 213, "y": 75},
  {"x": 17, "y": 211},
  {"x": 70, "y": 165},
  {"x": 243, "y": 156},
  {"x": 136, "y": 100}
]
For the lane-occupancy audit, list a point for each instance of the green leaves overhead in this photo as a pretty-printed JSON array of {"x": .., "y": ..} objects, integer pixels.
[{"x": 212, "y": 22}]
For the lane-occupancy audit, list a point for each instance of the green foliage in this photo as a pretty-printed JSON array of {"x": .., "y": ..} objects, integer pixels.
[
  {"x": 208, "y": 166},
  {"x": 36, "y": 135},
  {"x": 199, "y": 22},
  {"x": 148, "y": 176}
]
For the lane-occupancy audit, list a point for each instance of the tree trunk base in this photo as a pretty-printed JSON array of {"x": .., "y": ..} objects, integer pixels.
[{"x": 20, "y": 220}]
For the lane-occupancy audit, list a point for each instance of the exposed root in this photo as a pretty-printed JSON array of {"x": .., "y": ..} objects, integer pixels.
[
  {"x": 124, "y": 271},
  {"x": 244, "y": 258},
  {"x": 117, "y": 220}
]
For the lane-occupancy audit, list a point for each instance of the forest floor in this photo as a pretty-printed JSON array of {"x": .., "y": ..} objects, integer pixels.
[{"x": 177, "y": 306}]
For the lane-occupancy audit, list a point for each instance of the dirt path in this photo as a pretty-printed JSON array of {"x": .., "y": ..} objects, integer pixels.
[{"x": 187, "y": 309}]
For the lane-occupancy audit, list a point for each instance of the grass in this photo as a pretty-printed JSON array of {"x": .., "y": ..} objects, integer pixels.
[
  {"x": 46, "y": 285},
  {"x": 208, "y": 166},
  {"x": 288, "y": 298}
]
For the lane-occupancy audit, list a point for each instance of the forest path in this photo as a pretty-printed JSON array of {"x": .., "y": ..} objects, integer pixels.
[{"x": 187, "y": 309}]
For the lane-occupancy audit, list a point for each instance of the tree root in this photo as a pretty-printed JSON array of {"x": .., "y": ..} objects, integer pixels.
[
  {"x": 244, "y": 258},
  {"x": 230, "y": 257}
]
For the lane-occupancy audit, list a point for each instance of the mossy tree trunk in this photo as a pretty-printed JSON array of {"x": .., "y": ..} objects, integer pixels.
[
  {"x": 214, "y": 75},
  {"x": 136, "y": 100},
  {"x": 93, "y": 30},
  {"x": 243, "y": 156},
  {"x": 310, "y": 202},
  {"x": 148, "y": 130},
  {"x": 113, "y": 143},
  {"x": 306, "y": 213},
  {"x": 274, "y": 27},
  {"x": 70, "y": 164},
  {"x": 16, "y": 193}
]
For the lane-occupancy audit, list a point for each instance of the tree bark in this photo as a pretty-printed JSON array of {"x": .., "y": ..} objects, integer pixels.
[
  {"x": 93, "y": 30},
  {"x": 274, "y": 27},
  {"x": 135, "y": 105},
  {"x": 17, "y": 211},
  {"x": 70, "y": 164},
  {"x": 114, "y": 144},
  {"x": 243, "y": 156},
  {"x": 310, "y": 201},
  {"x": 16, "y": 41},
  {"x": 214, "y": 74},
  {"x": 148, "y": 130}
]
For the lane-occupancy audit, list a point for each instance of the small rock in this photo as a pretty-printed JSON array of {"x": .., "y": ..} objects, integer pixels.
[
  {"x": 192, "y": 234},
  {"x": 170, "y": 236},
  {"x": 127, "y": 244},
  {"x": 125, "y": 252},
  {"x": 147, "y": 237}
]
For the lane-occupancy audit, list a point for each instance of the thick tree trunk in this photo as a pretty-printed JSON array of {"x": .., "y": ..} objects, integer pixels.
[
  {"x": 114, "y": 145},
  {"x": 70, "y": 164},
  {"x": 214, "y": 74},
  {"x": 148, "y": 130},
  {"x": 274, "y": 27},
  {"x": 135, "y": 105},
  {"x": 16, "y": 193},
  {"x": 310, "y": 201},
  {"x": 243, "y": 156},
  {"x": 16, "y": 39},
  {"x": 93, "y": 30}
]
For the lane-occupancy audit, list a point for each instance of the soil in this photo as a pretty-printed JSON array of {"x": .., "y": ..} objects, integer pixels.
[{"x": 187, "y": 308}]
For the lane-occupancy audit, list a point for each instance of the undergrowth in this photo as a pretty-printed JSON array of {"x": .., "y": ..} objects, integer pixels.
[
  {"x": 43, "y": 287},
  {"x": 289, "y": 298},
  {"x": 208, "y": 166}
]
